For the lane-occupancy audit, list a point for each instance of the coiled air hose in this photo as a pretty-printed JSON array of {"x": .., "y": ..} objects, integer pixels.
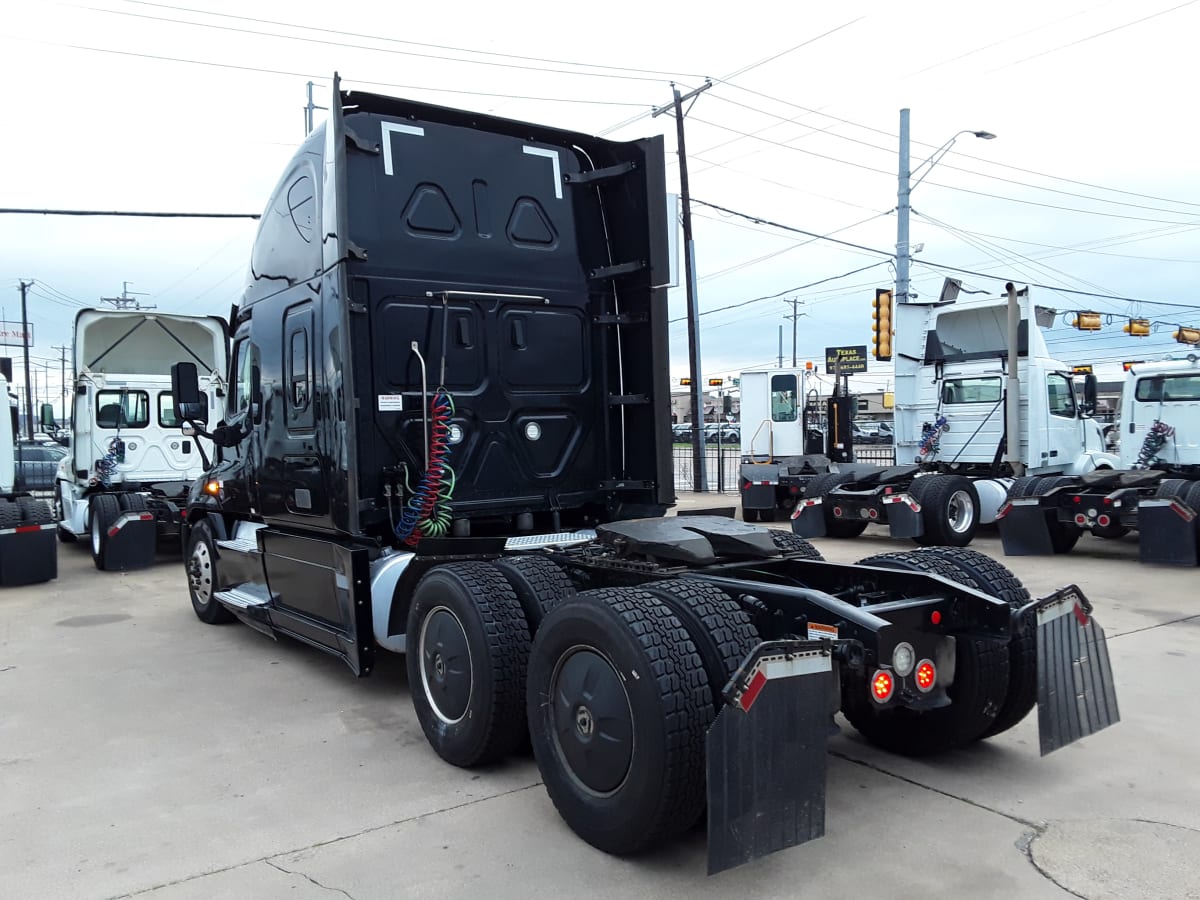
[
  {"x": 1156, "y": 438},
  {"x": 106, "y": 466},
  {"x": 427, "y": 513}
]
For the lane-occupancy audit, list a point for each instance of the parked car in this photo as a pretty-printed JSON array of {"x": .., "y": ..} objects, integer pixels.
[
  {"x": 36, "y": 464},
  {"x": 722, "y": 433}
]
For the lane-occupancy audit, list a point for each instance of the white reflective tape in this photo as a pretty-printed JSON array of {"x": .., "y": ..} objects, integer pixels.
[
  {"x": 390, "y": 128},
  {"x": 781, "y": 666},
  {"x": 552, "y": 155},
  {"x": 1064, "y": 605}
]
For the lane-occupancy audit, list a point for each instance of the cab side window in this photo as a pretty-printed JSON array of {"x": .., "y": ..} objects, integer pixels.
[
  {"x": 1060, "y": 396},
  {"x": 242, "y": 394},
  {"x": 783, "y": 398}
]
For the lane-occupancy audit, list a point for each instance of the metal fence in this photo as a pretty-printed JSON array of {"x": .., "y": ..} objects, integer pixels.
[{"x": 723, "y": 464}]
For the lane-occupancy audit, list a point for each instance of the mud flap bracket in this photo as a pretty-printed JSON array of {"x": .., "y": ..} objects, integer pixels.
[
  {"x": 1076, "y": 695},
  {"x": 766, "y": 754}
]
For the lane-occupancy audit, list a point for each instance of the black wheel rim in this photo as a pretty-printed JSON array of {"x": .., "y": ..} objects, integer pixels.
[
  {"x": 592, "y": 720},
  {"x": 445, "y": 665}
]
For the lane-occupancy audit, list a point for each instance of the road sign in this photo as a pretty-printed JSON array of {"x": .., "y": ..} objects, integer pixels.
[{"x": 850, "y": 359}]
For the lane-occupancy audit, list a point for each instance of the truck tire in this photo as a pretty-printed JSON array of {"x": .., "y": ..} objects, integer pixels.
[
  {"x": 794, "y": 545},
  {"x": 60, "y": 513},
  {"x": 1024, "y": 487},
  {"x": 34, "y": 511},
  {"x": 977, "y": 695},
  {"x": 132, "y": 502},
  {"x": 10, "y": 514},
  {"x": 103, "y": 510},
  {"x": 720, "y": 629},
  {"x": 1173, "y": 489},
  {"x": 647, "y": 696},
  {"x": 539, "y": 583},
  {"x": 468, "y": 648},
  {"x": 820, "y": 487},
  {"x": 749, "y": 515},
  {"x": 995, "y": 579},
  {"x": 201, "y": 568},
  {"x": 1063, "y": 536},
  {"x": 949, "y": 510}
]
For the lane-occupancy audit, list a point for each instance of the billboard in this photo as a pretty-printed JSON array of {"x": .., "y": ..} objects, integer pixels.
[
  {"x": 11, "y": 334},
  {"x": 846, "y": 360}
]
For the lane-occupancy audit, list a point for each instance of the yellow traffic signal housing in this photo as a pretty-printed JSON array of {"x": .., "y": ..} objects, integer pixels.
[
  {"x": 1087, "y": 321},
  {"x": 716, "y": 382},
  {"x": 1188, "y": 335},
  {"x": 685, "y": 382},
  {"x": 1081, "y": 370},
  {"x": 1138, "y": 327},
  {"x": 881, "y": 325}
]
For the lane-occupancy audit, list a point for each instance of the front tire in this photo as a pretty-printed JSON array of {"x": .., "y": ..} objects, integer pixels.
[
  {"x": 202, "y": 576},
  {"x": 618, "y": 705},
  {"x": 468, "y": 649}
]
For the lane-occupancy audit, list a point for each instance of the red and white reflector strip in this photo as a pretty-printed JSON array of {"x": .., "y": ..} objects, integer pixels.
[
  {"x": 776, "y": 666},
  {"x": 925, "y": 675},
  {"x": 883, "y": 685},
  {"x": 906, "y": 499},
  {"x": 27, "y": 529},
  {"x": 1069, "y": 603},
  {"x": 802, "y": 505},
  {"x": 128, "y": 517}
]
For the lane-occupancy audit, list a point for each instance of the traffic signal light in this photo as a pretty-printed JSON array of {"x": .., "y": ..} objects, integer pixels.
[
  {"x": 685, "y": 382},
  {"x": 1188, "y": 335},
  {"x": 1081, "y": 370},
  {"x": 716, "y": 382},
  {"x": 881, "y": 324},
  {"x": 1138, "y": 327},
  {"x": 1087, "y": 321}
]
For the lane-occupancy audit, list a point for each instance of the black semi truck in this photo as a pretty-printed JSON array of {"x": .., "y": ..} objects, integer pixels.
[{"x": 447, "y": 435}]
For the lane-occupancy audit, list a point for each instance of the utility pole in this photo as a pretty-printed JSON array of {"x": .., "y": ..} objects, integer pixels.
[
  {"x": 795, "y": 317},
  {"x": 781, "y": 346},
  {"x": 63, "y": 352},
  {"x": 25, "y": 285},
  {"x": 127, "y": 300},
  {"x": 699, "y": 478},
  {"x": 902, "y": 210},
  {"x": 308, "y": 111}
]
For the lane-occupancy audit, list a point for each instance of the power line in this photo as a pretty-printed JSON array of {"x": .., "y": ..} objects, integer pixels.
[
  {"x": 113, "y": 212},
  {"x": 889, "y": 254},
  {"x": 308, "y": 75}
]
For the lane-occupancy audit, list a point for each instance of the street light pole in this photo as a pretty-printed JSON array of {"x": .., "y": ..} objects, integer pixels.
[{"x": 904, "y": 194}]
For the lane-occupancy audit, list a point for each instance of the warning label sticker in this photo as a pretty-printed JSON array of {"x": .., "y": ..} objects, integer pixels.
[
  {"x": 391, "y": 402},
  {"x": 819, "y": 632}
]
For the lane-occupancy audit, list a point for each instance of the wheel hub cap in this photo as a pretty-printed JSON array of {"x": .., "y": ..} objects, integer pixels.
[
  {"x": 445, "y": 665},
  {"x": 961, "y": 511},
  {"x": 592, "y": 720}
]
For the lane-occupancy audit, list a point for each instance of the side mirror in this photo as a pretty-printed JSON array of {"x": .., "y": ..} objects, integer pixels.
[
  {"x": 1089, "y": 394},
  {"x": 185, "y": 384}
]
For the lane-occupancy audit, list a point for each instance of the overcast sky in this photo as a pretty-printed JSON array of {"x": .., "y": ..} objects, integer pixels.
[{"x": 1091, "y": 185}]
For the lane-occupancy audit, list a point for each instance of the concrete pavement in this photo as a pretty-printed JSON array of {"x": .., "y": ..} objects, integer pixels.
[{"x": 144, "y": 753}]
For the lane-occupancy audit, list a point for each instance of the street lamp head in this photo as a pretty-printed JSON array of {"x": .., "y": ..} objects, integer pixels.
[{"x": 986, "y": 135}]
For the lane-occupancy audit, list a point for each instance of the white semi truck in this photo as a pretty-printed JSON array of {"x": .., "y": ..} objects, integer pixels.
[
  {"x": 127, "y": 454},
  {"x": 953, "y": 466},
  {"x": 1155, "y": 488}
]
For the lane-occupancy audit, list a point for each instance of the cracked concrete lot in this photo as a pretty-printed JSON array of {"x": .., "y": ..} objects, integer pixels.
[{"x": 145, "y": 754}]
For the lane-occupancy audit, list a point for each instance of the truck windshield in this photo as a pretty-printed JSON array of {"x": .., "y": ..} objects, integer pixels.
[
  {"x": 1168, "y": 388},
  {"x": 971, "y": 390}
]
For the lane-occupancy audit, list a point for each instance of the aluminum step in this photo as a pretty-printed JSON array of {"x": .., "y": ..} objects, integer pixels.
[
  {"x": 243, "y": 545},
  {"x": 242, "y": 599}
]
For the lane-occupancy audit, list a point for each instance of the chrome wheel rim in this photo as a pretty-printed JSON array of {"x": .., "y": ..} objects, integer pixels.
[
  {"x": 200, "y": 573},
  {"x": 95, "y": 534},
  {"x": 961, "y": 512}
]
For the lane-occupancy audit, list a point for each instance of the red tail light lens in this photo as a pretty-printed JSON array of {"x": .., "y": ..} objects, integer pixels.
[
  {"x": 926, "y": 676},
  {"x": 873, "y": 513},
  {"x": 882, "y": 686},
  {"x": 837, "y": 512},
  {"x": 1103, "y": 521},
  {"x": 1080, "y": 519}
]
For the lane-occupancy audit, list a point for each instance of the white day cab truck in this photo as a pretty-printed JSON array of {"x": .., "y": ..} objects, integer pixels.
[
  {"x": 446, "y": 436},
  {"x": 123, "y": 485},
  {"x": 954, "y": 465},
  {"x": 1154, "y": 489},
  {"x": 28, "y": 554}
]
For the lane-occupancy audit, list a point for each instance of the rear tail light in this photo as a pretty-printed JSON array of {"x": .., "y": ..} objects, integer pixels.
[
  {"x": 882, "y": 686},
  {"x": 1080, "y": 519},
  {"x": 837, "y": 512},
  {"x": 1103, "y": 521},
  {"x": 872, "y": 513},
  {"x": 926, "y": 676},
  {"x": 1004, "y": 510},
  {"x": 1077, "y": 499}
]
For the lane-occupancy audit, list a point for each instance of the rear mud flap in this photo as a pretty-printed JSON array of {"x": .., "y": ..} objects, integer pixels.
[
  {"x": 1024, "y": 529},
  {"x": 766, "y": 754},
  {"x": 904, "y": 521},
  {"x": 808, "y": 519},
  {"x": 28, "y": 555},
  {"x": 1167, "y": 533},
  {"x": 1076, "y": 696},
  {"x": 132, "y": 540},
  {"x": 758, "y": 496}
]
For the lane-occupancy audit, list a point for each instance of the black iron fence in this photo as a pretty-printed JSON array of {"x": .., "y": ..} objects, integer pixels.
[{"x": 723, "y": 464}]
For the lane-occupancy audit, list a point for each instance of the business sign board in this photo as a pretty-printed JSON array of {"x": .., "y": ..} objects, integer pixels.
[
  {"x": 846, "y": 360},
  {"x": 11, "y": 334}
]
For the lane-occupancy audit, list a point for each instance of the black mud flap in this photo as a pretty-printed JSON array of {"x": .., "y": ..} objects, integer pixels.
[
  {"x": 808, "y": 518},
  {"x": 766, "y": 754},
  {"x": 758, "y": 496},
  {"x": 904, "y": 521},
  {"x": 28, "y": 555},
  {"x": 1024, "y": 528},
  {"x": 1076, "y": 696},
  {"x": 1167, "y": 532},
  {"x": 132, "y": 540}
]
